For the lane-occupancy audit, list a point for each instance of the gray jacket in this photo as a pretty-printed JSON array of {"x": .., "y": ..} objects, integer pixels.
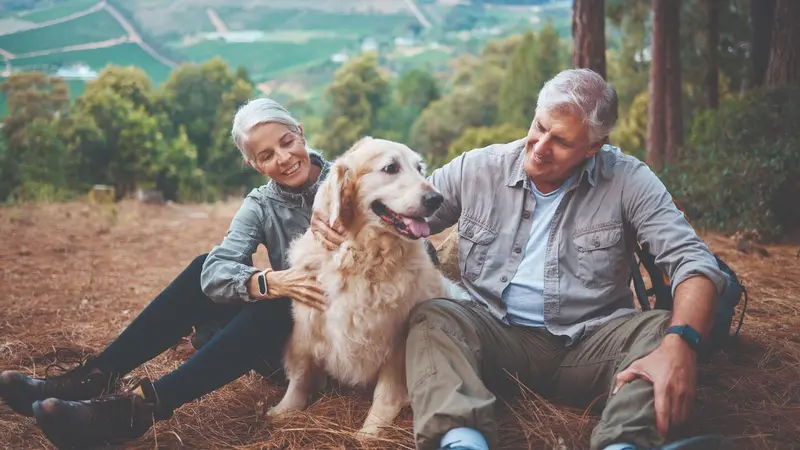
[
  {"x": 615, "y": 202},
  {"x": 271, "y": 215}
]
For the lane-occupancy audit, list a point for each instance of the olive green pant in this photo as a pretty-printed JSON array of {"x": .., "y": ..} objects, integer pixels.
[{"x": 459, "y": 357}]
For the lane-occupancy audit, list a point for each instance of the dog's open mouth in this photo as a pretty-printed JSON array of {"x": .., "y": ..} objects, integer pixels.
[{"x": 410, "y": 227}]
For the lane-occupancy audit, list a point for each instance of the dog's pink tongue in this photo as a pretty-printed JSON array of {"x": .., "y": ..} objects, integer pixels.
[{"x": 419, "y": 228}]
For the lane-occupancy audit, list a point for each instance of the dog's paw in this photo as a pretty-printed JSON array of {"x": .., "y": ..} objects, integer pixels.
[
  {"x": 282, "y": 412},
  {"x": 371, "y": 431}
]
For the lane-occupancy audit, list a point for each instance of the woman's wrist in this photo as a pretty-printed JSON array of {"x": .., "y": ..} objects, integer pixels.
[{"x": 256, "y": 288}]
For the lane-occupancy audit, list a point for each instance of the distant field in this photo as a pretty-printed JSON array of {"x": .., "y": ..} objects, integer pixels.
[
  {"x": 56, "y": 11},
  {"x": 122, "y": 55},
  {"x": 268, "y": 19},
  {"x": 263, "y": 59},
  {"x": 98, "y": 26},
  {"x": 434, "y": 58},
  {"x": 380, "y": 6}
]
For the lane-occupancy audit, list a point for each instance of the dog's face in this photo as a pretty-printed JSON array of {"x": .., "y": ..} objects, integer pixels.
[{"x": 380, "y": 182}]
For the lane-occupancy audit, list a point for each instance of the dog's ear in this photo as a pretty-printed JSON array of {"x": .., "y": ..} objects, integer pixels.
[{"x": 343, "y": 195}]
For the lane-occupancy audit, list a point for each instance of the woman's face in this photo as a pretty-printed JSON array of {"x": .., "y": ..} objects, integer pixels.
[{"x": 279, "y": 153}]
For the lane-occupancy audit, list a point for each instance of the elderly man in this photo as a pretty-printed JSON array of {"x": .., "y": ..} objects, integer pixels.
[{"x": 547, "y": 225}]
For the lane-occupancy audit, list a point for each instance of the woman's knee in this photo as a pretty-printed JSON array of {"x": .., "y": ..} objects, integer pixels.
[{"x": 196, "y": 266}]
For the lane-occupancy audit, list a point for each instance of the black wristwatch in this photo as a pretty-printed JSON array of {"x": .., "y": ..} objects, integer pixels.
[
  {"x": 263, "y": 288},
  {"x": 688, "y": 334}
]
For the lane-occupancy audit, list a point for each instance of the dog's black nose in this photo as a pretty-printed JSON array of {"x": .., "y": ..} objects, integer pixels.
[{"x": 432, "y": 200}]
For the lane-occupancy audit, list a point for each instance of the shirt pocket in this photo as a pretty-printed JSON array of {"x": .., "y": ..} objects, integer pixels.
[
  {"x": 473, "y": 246},
  {"x": 601, "y": 255}
]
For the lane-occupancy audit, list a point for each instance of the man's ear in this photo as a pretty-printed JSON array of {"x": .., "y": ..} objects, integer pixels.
[
  {"x": 343, "y": 193},
  {"x": 596, "y": 147}
]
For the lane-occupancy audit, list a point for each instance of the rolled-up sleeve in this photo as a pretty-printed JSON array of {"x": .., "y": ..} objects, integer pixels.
[
  {"x": 447, "y": 180},
  {"x": 229, "y": 265},
  {"x": 662, "y": 227}
]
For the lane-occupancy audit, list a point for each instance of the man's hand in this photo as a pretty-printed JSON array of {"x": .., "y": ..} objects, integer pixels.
[
  {"x": 298, "y": 285},
  {"x": 671, "y": 368},
  {"x": 330, "y": 237}
]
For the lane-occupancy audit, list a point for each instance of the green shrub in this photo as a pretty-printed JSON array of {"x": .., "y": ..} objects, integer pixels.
[{"x": 742, "y": 167}]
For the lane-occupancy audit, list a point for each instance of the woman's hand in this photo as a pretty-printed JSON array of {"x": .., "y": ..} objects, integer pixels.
[
  {"x": 330, "y": 237},
  {"x": 298, "y": 285}
]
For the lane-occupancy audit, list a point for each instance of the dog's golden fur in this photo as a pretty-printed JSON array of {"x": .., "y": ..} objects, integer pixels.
[{"x": 372, "y": 282}]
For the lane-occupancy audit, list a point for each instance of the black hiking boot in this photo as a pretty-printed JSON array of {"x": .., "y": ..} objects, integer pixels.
[
  {"x": 111, "y": 419},
  {"x": 82, "y": 382}
]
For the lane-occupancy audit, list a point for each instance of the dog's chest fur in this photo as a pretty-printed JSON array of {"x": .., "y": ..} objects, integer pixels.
[{"x": 370, "y": 300}]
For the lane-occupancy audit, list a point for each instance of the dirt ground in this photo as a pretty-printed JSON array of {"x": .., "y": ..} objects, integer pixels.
[{"x": 73, "y": 275}]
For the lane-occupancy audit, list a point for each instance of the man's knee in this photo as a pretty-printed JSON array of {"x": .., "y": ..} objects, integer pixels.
[{"x": 435, "y": 310}]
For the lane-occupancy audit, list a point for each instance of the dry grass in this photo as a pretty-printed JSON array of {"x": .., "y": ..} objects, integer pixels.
[{"x": 74, "y": 275}]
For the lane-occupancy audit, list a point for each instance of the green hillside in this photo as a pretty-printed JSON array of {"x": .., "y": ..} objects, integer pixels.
[
  {"x": 264, "y": 59},
  {"x": 128, "y": 54},
  {"x": 94, "y": 27},
  {"x": 358, "y": 24},
  {"x": 56, "y": 11},
  {"x": 294, "y": 48}
]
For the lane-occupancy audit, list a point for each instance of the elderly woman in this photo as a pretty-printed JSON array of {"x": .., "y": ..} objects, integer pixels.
[{"x": 81, "y": 408}]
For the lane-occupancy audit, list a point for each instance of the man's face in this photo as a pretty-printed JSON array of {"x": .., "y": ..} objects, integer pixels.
[{"x": 557, "y": 144}]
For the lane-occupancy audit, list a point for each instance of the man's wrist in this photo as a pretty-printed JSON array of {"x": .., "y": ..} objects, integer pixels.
[{"x": 683, "y": 336}]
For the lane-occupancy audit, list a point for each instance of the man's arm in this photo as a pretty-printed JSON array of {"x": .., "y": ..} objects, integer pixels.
[
  {"x": 447, "y": 180},
  {"x": 692, "y": 268},
  {"x": 696, "y": 280}
]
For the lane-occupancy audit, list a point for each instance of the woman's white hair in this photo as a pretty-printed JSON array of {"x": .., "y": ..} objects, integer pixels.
[
  {"x": 255, "y": 112},
  {"x": 585, "y": 93}
]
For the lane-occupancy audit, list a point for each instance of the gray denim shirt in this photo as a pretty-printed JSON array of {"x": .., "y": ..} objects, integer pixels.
[
  {"x": 271, "y": 215},
  {"x": 615, "y": 202}
]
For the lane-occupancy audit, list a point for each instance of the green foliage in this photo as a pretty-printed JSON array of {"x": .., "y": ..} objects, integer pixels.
[
  {"x": 742, "y": 169},
  {"x": 356, "y": 97},
  {"x": 521, "y": 83},
  {"x": 33, "y": 100},
  {"x": 417, "y": 88},
  {"x": 40, "y": 164},
  {"x": 479, "y": 137},
  {"x": 630, "y": 134}
]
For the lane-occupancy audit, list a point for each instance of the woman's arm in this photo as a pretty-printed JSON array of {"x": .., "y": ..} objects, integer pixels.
[
  {"x": 229, "y": 266},
  {"x": 228, "y": 274}
]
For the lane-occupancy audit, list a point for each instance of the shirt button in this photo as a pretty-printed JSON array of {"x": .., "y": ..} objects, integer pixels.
[
  {"x": 526, "y": 215},
  {"x": 469, "y": 233},
  {"x": 518, "y": 250},
  {"x": 504, "y": 278}
]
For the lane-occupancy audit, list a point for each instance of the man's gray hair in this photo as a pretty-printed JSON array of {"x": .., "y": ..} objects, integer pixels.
[
  {"x": 255, "y": 112},
  {"x": 583, "y": 92}
]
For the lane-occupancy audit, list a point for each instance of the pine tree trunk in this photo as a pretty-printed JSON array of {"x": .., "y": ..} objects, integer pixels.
[
  {"x": 762, "y": 17},
  {"x": 655, "y": 108},
  {"x": 673, "y": 85},
  {"x": 588, "y": 35},
  {"x": 784, "y": 57},
  {"x": 712, "y": 53}
]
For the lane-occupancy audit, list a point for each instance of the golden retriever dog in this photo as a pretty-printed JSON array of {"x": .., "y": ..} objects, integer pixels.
[{"x": 378, "y": 192}]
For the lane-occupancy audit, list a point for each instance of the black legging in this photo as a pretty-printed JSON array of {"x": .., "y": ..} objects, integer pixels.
[{"x": 253, "y": 335}]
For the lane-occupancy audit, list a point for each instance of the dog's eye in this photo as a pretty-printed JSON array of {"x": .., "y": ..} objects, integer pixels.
[{"x": 391, "y": 168}]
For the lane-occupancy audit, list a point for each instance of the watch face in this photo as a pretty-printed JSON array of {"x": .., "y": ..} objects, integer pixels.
[{"x": 262, "y": 284}]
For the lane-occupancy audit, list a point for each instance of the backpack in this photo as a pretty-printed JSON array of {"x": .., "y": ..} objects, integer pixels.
[{"x": 720, "y": 335}]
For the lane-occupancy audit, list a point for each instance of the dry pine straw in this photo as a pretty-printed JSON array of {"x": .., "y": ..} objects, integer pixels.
[{"x": 73, "y": 275}]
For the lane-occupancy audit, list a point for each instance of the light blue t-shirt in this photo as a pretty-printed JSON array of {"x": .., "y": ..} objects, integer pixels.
[{"x": 524, "y": 296}]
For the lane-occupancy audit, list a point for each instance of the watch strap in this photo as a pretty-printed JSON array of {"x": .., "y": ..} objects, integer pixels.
[{"x": 687, "y": 333}]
